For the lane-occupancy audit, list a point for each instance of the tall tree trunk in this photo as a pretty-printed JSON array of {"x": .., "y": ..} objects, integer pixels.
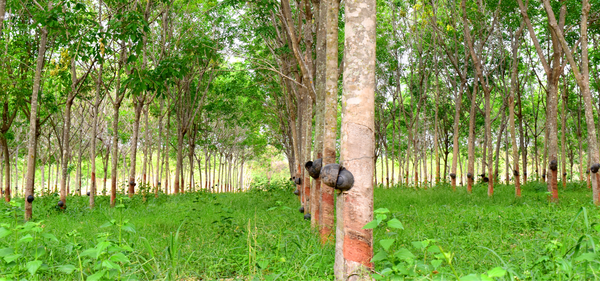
[
  {"x": 471, "y": 140},
  {"x": 146, "y": 145},
  {"x": 158, "y": 150},
  {"x": 563, "y": 144},
  {"x": 66, "y": 154},
  {"x": 138, "y": 106},
  {"x": 514, "y": 84},
  {"x": 354, "y": 245},
  {"x": 326, "y": 219},
  {"x": 2, "y": 13},
  {"x": 33, "y": 120},
  {"x": 455, "y": 143},
  {"x": 582, "y": 77}
]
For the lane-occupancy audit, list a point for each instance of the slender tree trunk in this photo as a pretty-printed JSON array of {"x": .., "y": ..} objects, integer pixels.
[
  {"x": 33, "y": 120},
  {"x": 511, "y": 109},
  {"x": 354, "y": 245},
  {"x": 456, "y": 132},
  {"x": 138, "y": 106},
  {"x": 471, "y": 140},
  {"x": 158, "y": 151},
  {"x": 146, "y": 145},
  {"x": 581, "y": 74},
  {"x": 326, "y": 219},
  {"x": 563, "y": 128},
  {"x": 115, "y": 152},
  {"x": 2, "y": 13}
]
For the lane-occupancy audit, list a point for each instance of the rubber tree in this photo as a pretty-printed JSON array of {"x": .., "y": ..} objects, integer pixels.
[
  {"x": 33, "y": 123},
  {"x": 553, "y": 71},
  {"x": 354, "y": 245},
  {"x": 582, "y": 76},
  {"x": 326, "y": 220}
]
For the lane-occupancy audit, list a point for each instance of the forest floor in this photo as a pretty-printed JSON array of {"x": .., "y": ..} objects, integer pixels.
[{"x": 260, "y": 235}]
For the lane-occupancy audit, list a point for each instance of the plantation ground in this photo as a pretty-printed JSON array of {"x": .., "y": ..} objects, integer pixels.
[{"x": 261, "y": 235}]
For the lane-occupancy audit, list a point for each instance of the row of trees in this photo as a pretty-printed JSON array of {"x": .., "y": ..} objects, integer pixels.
[
  {"x": 126, "y": 85},
  {"x": 164, "y": 76},
  {"x": 505, "y": 68}
]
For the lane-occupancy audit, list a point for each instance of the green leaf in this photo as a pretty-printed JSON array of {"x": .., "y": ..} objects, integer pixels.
[
  {"x": 404, "y": 254},
  {"x": 486, "y": 278},
  {"x": 119, "y": 257},
  {"x": 128, "y": 227},
  {"x": 496, "y": 272},
  {"x": 110, "y": 265},
  {"x": 395, "y": 223},
  {"x": 96, "y": 276},
  {"x": 26, "y": 238},
  {"x": 386, "y": 243},
  {"x": 50, "y": 236},
  {"x": 379, "y": 256},
  {"x": 418, "y": 244},
  {"x": 33, "y": 266},
  {"x": 436, "y": 263},
  {"x": 12, "y": 257},
  {"x": 40, "y": 251},
  {"x": 4, "y": 232},
  {"x": 586, "y": 257},
  {"x": 91, "y": 252},
  {"x": 434, "y": 249},
  {"x": 371, "y": 225},
  {"x": 263, "y": 264},
  {"x": 6, "y": 251},
  {"x": 382, "y": 211},
  {"x": 470, "y": 277},
  {"x": 380, "y": 218},
  {"x": 66, "y": 269}
]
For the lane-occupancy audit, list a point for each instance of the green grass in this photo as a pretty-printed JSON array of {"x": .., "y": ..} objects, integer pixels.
[
  {"x": 528, "y": 235},
  {"x": 261, "y": 235}
]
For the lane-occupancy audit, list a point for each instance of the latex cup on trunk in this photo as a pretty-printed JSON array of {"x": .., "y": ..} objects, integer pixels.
[
  {"x": 314, "y": 168},
  {"x": 336, "y": 176}
]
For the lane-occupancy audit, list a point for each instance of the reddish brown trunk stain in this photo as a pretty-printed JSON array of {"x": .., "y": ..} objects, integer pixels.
[
  {"x": 453, "y": 180},
  {"x": 554, "y": 185},
  {"x": 357, "y": 250},
  {"x": 469, "y": 185},
  {"x": 517, "y": 186},
  {"x": 317, "y": 191},
  {"x": 491, "y": 186},
  {"x": 588, "y": 181},
  {"x": 131, "y": 187},
  {"x": 93, "y": 181},
  {"x": 327, "y": 220},
  {"x": 306, "y": 183}
]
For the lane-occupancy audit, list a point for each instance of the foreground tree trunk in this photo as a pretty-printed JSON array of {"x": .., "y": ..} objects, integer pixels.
[
  {"x": 354, "y": 245},
  {"x": 33, "y": 124}
]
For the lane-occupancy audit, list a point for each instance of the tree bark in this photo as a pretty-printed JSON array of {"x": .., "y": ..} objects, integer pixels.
[
  {"x": 138, "y": 106},
  {"x": 326, "y": 219},
  {"x": 354, "y": 245},
  {"x": 511, "y": 108},
  {"x": 33, "y": 120},
  {"x": 582, "y": 77},
  {"x": 471, "y": 140}
]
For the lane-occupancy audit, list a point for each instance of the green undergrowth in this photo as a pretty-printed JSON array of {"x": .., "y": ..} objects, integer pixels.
[
  {"x": 258, "y": 235},
  {"x": 433, "y": 234},
  {"x": 449, "y": 235}
]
